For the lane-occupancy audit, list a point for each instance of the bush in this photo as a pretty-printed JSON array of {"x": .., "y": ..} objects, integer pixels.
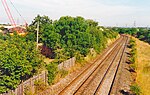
[
  {"x": 133, "y": 55},
  {"x": 19, "y": 60},
  {"x": 52, "y": 72},
  {"x": 132, "y": 43},
  {"x": 133, "y": 51},
  {"x": 79, "y": 57},
  {"x": 135, "y": 89}
]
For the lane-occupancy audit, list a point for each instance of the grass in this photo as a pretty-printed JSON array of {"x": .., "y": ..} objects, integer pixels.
[
  {"x": 143, "y": 67},
  {"x": 136, "y": 89}
]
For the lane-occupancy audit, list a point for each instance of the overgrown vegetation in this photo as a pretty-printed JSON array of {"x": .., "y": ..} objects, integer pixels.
[
  {"x": 71, "y": 36},
  {"x": 135, "y": 89},
  {"x": 133, "y": 66},
  {"x": 52, "y": 72},
  {"x": 18, "y": 61},
  {"x": 64, "y": 38},
  {"x": 133, "y": 55},
  {"x": 39, "y": 86},
  {"x": 140, "y": 33}
]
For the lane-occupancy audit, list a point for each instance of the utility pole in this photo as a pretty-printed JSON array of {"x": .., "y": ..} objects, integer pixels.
[{"x": 37, "y": 36}]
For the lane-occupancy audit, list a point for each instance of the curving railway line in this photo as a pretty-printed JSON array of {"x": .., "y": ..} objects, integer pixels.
[{"x": 98, "y": 78}]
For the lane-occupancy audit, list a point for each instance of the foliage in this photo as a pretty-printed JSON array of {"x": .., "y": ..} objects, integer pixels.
[
  {"x": 52, "y": 72},
  {"x": 39, "y": 86},
  {"x": 135, "y": 89},
  {"x": 18, "y": 61},
  {"x": 69, "y": 36},
  {"x": 65, "y": 38},
  {"x": 63, "y": 73},
  {"x": 28, "y": 91},
  {"x": 140, "y": 33},
  {"x": 133, "y": 55}
]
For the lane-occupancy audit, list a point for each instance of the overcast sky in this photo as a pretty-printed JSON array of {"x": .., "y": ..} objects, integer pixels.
[{"x": 106, "y": 12}]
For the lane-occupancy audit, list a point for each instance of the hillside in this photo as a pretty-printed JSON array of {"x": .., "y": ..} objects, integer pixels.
[{"x": 143, "y": 66}]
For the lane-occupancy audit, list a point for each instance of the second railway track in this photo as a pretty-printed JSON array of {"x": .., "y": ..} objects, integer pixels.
[{"x": 98, "y": 78}]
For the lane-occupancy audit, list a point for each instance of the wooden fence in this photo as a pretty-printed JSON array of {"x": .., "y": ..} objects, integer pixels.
[
  {"x": 28, "y": 84},
  {"x": 67, "y": 64}
]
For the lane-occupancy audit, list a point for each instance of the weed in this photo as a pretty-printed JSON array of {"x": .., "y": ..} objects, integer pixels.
[
  {"x": 135, "y": 89},
  {"x": 39, "y": 86},
  {"x": 63, "y": 73},
  {"x": 28, "y": 91}
]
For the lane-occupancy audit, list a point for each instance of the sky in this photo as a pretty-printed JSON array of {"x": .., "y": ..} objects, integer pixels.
[{"x": 106, "y": 12}]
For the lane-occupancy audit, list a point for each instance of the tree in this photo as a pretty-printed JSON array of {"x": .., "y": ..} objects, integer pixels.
[
  {"x": 69, "y": 35},
  {"x": 42, "y": 20},
  {"x": 18, "y": 61}
]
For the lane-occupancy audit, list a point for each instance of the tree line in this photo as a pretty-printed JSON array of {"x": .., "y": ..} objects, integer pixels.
[
  {"x": 71, "y": 36},
  {"x": 140, "y": 33}
]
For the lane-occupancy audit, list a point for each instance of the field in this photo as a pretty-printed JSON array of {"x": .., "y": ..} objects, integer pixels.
[{"x": 143, "y": 67}]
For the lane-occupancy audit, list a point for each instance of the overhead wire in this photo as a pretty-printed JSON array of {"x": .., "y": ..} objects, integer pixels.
[
  {"x": 18, "y": 12},
  {"x": 8, "y": 12}
]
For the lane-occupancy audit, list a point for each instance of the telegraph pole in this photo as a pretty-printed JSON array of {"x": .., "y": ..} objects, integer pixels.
[{"x": 37, "y": 36}]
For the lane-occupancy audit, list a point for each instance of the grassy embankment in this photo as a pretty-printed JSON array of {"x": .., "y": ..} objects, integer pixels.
[{"x": 143, "y": 66}]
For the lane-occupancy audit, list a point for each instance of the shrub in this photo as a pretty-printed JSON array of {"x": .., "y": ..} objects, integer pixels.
[
  {"x": 132, "y": 43},
  {"x": 52, "y": 72},
  {"x": 135, "y": 89},
  {"x": 133, "y": 52}
]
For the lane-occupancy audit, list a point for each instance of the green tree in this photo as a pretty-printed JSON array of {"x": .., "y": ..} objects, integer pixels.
[
  {"x": 52, "y": 72},
  {"x": 42, "y": 20},
  {"x": 18, "y": 61}
]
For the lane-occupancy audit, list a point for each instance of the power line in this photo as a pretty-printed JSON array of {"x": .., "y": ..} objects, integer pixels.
[
  {"x": 8, "y": 12},
  {"x": 18, "y": 11}
]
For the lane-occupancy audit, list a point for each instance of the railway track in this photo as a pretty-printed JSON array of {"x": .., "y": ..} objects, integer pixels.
[{"x": 100, "y": 75}]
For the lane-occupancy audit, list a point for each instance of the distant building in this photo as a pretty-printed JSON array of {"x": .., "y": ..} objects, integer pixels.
[{"x": 11, "y": 29}]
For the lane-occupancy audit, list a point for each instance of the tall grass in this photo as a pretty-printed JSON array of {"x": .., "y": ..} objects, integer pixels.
[
  {"x": 133, "y": 55},
  {"x": 135, "y": 88}
]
